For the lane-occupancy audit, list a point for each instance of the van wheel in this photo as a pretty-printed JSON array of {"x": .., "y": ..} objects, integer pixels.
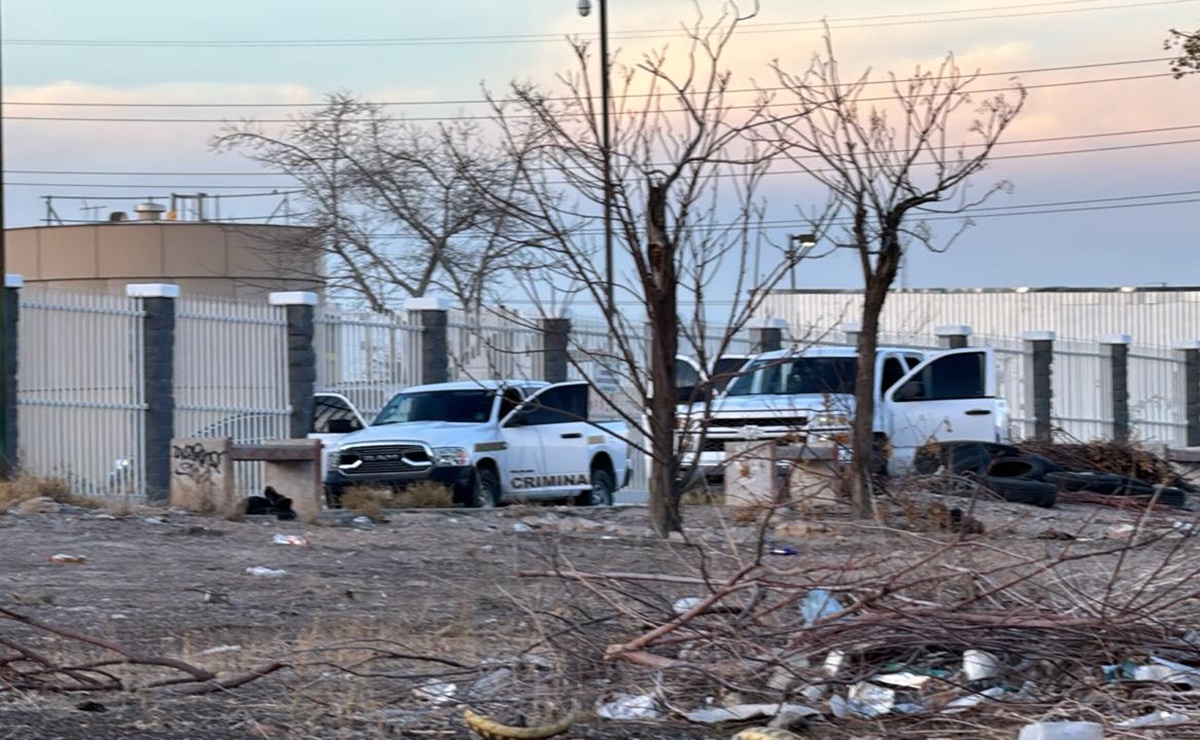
[
  {"x": 484, "y": 490},
  {"x": 602, "y": 490}
]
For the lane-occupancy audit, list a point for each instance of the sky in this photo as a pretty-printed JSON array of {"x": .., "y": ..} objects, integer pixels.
[{"x": 118, "y": 100}]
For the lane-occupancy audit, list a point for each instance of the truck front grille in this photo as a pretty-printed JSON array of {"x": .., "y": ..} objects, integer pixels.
[{"x": 383, "y": 459}]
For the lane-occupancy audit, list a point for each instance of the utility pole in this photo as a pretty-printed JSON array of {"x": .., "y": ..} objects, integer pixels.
[{"x": 6, "y": 464}]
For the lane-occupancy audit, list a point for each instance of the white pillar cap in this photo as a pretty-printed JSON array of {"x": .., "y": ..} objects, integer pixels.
[
  {"x": 766, "y": 322},
  {"x": 1038, "y": 336},
  {"x": 427, "y": 303},
  {"x": 292, "y": 298},
  {"x": 952, "y": 330},
  {"x": 152, "y": 290},
  {"x": 850, "y": 327},
  {"x": 13, "y": 280},
  {"x": 1114, "y": 339}
]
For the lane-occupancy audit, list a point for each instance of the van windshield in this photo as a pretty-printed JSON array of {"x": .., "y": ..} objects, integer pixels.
[{"x": 796, "y": 375}]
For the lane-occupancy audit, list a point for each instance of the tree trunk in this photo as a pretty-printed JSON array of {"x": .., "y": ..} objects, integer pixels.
[
  {"x": 665, "y": 516},
  {"x": 878, "y": 284}
]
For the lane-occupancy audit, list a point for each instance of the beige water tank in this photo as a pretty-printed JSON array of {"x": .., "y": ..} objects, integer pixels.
[{"x": 202, "y": 257}]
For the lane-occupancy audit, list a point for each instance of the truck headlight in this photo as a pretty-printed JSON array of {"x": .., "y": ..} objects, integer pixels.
[
  {"x": 451, "y": 456},
  {"x": 827, "y": 420}
]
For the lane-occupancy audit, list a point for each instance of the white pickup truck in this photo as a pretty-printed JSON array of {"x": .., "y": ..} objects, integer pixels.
[
  {"x": 794, "y": 395},
  {"x": 489, "y": 441}
]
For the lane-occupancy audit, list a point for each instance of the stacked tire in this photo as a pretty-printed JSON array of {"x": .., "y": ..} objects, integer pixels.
[{"x": 1029, "y": 478}]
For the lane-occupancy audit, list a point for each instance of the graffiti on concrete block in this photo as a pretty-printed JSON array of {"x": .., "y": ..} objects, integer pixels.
[{"x": 197, "y": 462}]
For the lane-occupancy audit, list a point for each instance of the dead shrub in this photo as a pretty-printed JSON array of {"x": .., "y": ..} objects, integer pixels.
[
  {"x": 425, "y": 495},
  {"x": 28, "y": 487},
  {"x": 368, "y": 501}
]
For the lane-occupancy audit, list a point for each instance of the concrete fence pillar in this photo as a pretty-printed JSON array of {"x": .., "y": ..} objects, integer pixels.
[
  {"x": 1190, "y": 354},
  {"x": 11, "y": 329},
  {"x": 1040, "y": 345},
  {"x": 556, "y": 335},
  {"x": 766, "y": 335},
  {"x": 1116, "y": 350},
  {"x": 952, "y": 336},
  {"x": 301, "y": 357},
  {"x": 158, "y": 379},
  {"x": 851, "y": 329},
  {"x": 432, "y": 315}
]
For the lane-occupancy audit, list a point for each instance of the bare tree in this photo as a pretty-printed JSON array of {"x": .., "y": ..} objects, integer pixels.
[
  {"x": 1187, "y": 44},
  {"x": 687, "y": 216},
  {"x": 888, "y": 160},
  {"x": 390, "y": 202}
]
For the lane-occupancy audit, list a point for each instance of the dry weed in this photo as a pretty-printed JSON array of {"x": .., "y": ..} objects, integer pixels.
[
  {"x": 368, "y": 501},
  {"x": 28, "y": 487},
  {"x": 425, "y": 495}
]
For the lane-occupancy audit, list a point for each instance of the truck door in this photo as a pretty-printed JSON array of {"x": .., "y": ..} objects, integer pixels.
[
  {"x": 948, "y": 397},
  {"x": 334, "y": 416},
  {"x": 554, "y": 421}
]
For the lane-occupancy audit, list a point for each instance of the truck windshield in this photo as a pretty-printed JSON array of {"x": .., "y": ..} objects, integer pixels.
[
  {"x": 467, "y": 406},
  {"x": 817, "y": 375}
]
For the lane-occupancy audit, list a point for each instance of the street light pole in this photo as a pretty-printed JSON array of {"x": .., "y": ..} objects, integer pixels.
[
  {"x": 610, "y": 306},
  {"x": 799, "y": 245}
]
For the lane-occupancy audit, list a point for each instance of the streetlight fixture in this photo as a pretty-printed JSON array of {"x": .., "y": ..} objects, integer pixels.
[
  {"x": 799, "y": 245},
  {"x": 585, "y": 9}
]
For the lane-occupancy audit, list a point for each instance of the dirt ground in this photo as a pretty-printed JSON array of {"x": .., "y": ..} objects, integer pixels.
[{"x": 393, "y": 628}]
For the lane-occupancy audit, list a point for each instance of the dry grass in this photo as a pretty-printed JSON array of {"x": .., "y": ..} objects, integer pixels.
[
  {"x": 29, "y": 487},
  {"x": 425, "y": 495}
]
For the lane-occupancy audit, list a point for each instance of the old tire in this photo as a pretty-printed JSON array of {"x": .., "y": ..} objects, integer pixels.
[
  {"x": 602, "y": 489},
  {"x": 484, "y": 490},
  {"x": 1096, "y": 482},
  {"x": 1030, "y": 467},
  {"x": 1022, "y": 490}
]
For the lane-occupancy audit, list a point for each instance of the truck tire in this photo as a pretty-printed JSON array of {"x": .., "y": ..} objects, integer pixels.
[
  {"x": 483, "y": 492},
  {"x": 333, "y": 497},
  {"x": 602, "y": 489}
]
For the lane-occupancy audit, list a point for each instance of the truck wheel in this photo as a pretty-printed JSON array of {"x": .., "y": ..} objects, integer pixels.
[
  {"x": 484, "y": 490},
  {"x": 333, "y": 497},
  {"x": 602, "y": 490}
]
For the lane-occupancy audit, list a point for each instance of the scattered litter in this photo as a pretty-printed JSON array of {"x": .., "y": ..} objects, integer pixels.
[
  {"x": 437, "y": 692},
  {"x": 65, "y": 558},
  {"x": 155, "y": 520},
  {"x": 966, "y": 702},
  {"x": 1156, "y": 719},
  {"x": 905, "y": 679},
  {"x": 262, "y": 570},
  {"x": 819, "y": 603},
  {"x": 291, "y": 539},
  {"x": 686, "y": 604},
  {"x": 221, "y": 649},
  {"x": 521, "y": 527},
  {"x": 1062, "y": 731},
  {"x": 362, "y": 521},
  {"x": 627, "y": 706},
  {"x": 1121, "y": 531},
  {"x": 766, "y": 733},
  {"x": 978, "y": 665},
  {"x": 833, "y": 662},
  {"x": 783, "y": 550},
  {"x": 1180, "y": 673},
  {"x": 868, "y": 700},
  {"x": 743, "y": 712}
]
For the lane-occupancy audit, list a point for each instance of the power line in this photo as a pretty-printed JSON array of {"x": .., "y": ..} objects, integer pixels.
[
  {"x": 142, "y": 173},
  {"x": 869, "y": 21},
  {"x": 110, "y": 119},
  {"x": 482, "y": 101}
]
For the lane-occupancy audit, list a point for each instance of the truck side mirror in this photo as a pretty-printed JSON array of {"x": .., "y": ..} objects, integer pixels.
[
  {"x": 913, "y": 390},
  {"x": 518, "y": 418}
]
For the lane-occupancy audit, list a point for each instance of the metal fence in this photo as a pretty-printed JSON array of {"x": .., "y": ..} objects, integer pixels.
[
  {"x": 365, "y": 355},
  {"x": 488, "y": 345},
  {"x": 231, "y": 374},
  {"x": 80, "y": 407}
]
